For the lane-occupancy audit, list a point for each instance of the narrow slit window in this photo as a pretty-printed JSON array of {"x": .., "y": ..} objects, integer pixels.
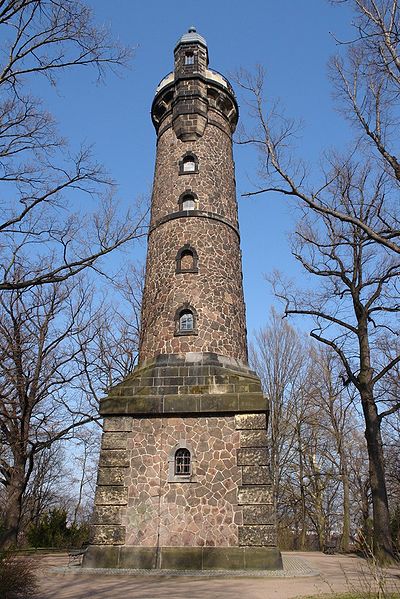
[{"x": 182, "y": 462}]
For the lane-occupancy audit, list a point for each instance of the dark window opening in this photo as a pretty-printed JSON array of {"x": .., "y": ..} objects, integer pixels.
[
  {"x": 189, "y": 164},
  {"x": 187, "y": 260},
  {"x": 186, "y": 321},
  {"x": 182, "y": 462},
  {"x": 187, "y": 202},
  {"x": 189, "y": 58}
]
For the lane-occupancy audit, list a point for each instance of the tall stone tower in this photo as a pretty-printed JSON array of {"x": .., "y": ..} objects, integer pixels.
[{"x": 183, "y": 477}]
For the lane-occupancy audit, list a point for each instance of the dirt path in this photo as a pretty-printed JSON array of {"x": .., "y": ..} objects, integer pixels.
[{"x": 336, "y": 574}]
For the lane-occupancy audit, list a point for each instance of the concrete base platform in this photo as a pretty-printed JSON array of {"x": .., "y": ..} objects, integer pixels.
[{"x": 183, "y": 558}]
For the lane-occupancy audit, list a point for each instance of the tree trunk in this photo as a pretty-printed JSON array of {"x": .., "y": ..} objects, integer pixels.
[
  {"x": 345, "y": 540},
  {"x": 13, "y": 509},
  {"x": 382, "y": 539}
]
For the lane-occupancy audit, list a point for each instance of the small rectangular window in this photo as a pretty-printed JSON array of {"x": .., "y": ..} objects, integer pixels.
[{"x": 189, "y": 58}]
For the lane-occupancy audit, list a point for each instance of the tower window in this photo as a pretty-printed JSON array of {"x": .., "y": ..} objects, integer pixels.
[
  {"x": 186, "y": 260},
  {"x": 189, "y": 58},
  {"x": 182, "y": 462},
  {"x": 186, "y": 320},
  {"x": 187, "y": 201},
  {"x": 189, "y": 164}
]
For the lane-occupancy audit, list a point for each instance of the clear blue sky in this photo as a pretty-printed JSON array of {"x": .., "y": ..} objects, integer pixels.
[{"x": 290, "y": 38}]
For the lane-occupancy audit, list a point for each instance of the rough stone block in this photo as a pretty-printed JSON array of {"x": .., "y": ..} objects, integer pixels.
[
  {"x": 251, "y": 421},
  {"x": 114, "y": 458},
  {"x": 107, "y": 514},
  {"x": 252, "y": 401},
  {"x": 258, "y": 514},
  {"x": 117, "y": 423},
  {"x": 114, "y": 440},
  {"x": 111, "y": 476},
  {"x": 256, "y": 475},
  {"x": 101, "y": 556},
  {"x": 181, "y": 558},
  {"x": 223, "y": 558},
  {"x": 262, "y": 558},
  {"x": 138, "y": 558},
  {"x": 106, "y": 534},
  {"x": 257, "y": 456},
  {"x": 262, "y": 535},
  {"x": 255, "y": 495},
  {"x": 253, "y": 438},
  {"x": 111, "y": 496}
]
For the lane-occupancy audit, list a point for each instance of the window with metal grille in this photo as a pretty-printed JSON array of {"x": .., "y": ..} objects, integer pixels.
[
  {"x": 182, "y": 462},
  {"x": 186, "y": 321}
]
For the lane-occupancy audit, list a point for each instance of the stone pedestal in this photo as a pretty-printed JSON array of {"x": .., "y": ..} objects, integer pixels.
[{"x": 219, "y": 517}]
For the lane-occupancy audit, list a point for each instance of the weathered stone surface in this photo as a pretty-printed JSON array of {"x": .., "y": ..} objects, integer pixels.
[
  {"x": 262, "y": 535},
  {"x": 257, "y": 456},
  {"x": 111, "y": 496},
  {"x": 258, "y": 514},
  {"x": 117, "y": 423},
  {"x": 256, "y": 475},
  {"x": 253, "y": 438},
  {"x": 203, "y": 511},
  {"x": 108, "y": 535},
  {"x": 251, "y": 421},
  {"x": 114, "y": 458},
  {"x": 255, "y": 495},
  {"x": 111, "y": 440},
  {"x": 107, "y": 514},
  {"x": 101, "y": 556},
  {"x": 111, "y": 476}
]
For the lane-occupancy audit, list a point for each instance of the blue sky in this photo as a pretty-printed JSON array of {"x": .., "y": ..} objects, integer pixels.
[{"x": 290, "y": 38}]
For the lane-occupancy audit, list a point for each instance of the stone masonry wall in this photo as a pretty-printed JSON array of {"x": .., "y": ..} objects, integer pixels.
[
  {"x": 203, "y": 511},
  {"x": 227, "y": 502},
  {"x": 215, "y": 291}
]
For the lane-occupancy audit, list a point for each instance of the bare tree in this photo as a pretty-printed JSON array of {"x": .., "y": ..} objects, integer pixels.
[
  {"x": 41, "y": 177},
  {"x": 352, "y": 242},
  {"x": 352, "y": 309}
]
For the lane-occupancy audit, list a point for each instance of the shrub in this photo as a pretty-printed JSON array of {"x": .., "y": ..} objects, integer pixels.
[
  {"x": 52, "y": 530},
  {"x": 17, "y": 577}
]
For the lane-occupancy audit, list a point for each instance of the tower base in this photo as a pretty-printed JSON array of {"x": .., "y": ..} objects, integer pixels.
[
  {"x": 184, "y": 558},
  {"x": 220, "y": 513}
]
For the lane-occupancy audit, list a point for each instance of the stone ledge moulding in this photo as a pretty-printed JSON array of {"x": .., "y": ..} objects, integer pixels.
[{"x": 184, "y": 475}]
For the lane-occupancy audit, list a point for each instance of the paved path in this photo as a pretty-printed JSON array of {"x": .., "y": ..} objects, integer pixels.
[{"x": 305, "y": 574}]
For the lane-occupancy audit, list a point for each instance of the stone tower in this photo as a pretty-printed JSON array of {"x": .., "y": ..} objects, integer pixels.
[{"x": 183, "y": 477}]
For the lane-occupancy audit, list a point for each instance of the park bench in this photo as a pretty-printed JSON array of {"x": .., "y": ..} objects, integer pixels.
[
  {"x": 75, "y": 556},
  {"x": 329, "y": 547}
]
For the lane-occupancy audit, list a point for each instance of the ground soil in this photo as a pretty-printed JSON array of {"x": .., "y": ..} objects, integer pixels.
[{"x": 336, "y": 574}]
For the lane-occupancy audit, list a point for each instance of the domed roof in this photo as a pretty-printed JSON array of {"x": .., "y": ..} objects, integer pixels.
[{"x": 192, "y": 37}]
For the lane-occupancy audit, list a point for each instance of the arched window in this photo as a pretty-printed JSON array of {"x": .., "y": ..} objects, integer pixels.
[
  {"x": 189, "y": 164},
  {"x": 187, "y": 260},
  {"x": 186, "y": 320},
  {"x": 189, "y": 58},
  {"x": 187, "y": 201},
  {"x": 182, "y": 462}
]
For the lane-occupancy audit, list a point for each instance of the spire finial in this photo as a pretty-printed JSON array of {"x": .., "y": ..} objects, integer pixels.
[{"x": 192, "y": 29}]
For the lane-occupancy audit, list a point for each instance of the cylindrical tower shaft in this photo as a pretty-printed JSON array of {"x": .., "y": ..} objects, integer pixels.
[{"x": 194, "y": 262}]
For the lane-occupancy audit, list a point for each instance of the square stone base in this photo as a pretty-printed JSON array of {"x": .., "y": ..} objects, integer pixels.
[{"x": 183, "y": 558}]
